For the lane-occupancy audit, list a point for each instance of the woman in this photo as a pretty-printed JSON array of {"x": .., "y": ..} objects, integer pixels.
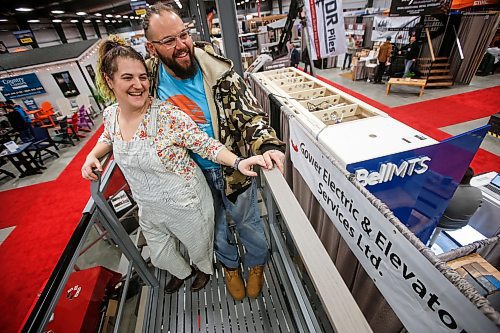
[{"x": 150, "y": 142}]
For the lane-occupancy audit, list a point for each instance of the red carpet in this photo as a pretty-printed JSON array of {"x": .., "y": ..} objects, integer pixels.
[
  {"x": 427, "y": 117},
  {"x": 45, "y": 216}
]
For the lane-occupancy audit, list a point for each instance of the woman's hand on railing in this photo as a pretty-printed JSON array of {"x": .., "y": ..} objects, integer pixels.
[
  {"x": 245, "y": 166},
  {"x": 91, "y": 163}
]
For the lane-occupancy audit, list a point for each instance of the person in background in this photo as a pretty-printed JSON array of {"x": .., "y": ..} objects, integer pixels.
[
  {"x": 18, "y": 122},
  {"x": 150, "y": 141},
  {"x": 19, "y": 109},
  {"x": 205, "y": 86},
  {"x": 384, "y": 57},
  {"x": 294, "y": 56},
  {"x": 411, "y": 54},
  {"x": 306, "y": 60},
  {"x": 351, "y": 48},
  {"x": 465, "y": 202}
]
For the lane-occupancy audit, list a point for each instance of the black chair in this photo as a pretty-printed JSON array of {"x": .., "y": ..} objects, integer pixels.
[
  {"x": 42, "y": 143},
  {"x": 5, "y": 172},
  {"x": 63, "y": 136}
]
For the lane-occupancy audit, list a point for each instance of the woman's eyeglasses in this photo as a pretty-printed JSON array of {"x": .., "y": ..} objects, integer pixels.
[{"x": 170, "y": 41}]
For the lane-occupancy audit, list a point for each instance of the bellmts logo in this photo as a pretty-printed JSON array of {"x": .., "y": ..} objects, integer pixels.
[
  {"x": 387, "y": 171},
  {"x": 294, "y": 146}
]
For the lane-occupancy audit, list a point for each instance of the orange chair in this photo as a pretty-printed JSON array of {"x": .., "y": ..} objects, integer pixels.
[{"x": 46, "y": 113}]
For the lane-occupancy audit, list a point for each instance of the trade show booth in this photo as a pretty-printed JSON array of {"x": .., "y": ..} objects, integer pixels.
[{"x": 374, "y": 189}]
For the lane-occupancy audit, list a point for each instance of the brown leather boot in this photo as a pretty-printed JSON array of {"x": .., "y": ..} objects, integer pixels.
[
  {"x": 234, "y": 283},
  {"x": 175, "y": 283},
  {"x": 200, "y": 281},
  {"x": 255, "y": 281}
]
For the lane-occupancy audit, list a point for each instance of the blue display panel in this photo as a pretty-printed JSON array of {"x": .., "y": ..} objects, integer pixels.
[{"x": 417, "y": 184}]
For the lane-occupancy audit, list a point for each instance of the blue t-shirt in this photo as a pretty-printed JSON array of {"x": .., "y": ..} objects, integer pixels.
[
  {"x": 19, "y": 109},
  {"x": 189, "y": 96}
]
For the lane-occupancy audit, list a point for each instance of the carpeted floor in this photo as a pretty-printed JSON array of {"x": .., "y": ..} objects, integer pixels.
[
  {"x": 45, "y": 216},
  {"x": 427, "y": 117}
]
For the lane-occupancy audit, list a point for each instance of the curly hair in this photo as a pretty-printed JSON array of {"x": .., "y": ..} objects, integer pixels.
[{"x": 110, "y": 50}]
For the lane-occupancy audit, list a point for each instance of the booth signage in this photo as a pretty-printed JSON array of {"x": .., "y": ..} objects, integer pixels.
[
  {"x": 418, "y": 7},
  {"x": 393, "y": 27},
  {"x": 426, "y": 177},
  {"x": 325, "y": 28},
  {"x": 21, "y": 86},
  {"x": 422, "y": 298},
  {"x": 25, "y": 37},
  {"x": 30, "y": 104}
]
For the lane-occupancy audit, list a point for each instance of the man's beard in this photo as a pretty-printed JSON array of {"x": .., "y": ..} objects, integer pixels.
[{"x": 176, "y": 68}]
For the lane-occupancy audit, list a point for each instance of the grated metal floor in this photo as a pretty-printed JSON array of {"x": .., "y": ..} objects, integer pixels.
[{"x": 214, "y": 310}]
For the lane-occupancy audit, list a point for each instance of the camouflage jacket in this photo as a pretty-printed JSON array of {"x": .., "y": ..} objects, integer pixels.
[{"x": 238, "y": 121}]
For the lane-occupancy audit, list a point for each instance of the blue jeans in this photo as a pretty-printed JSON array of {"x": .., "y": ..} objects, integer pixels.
[
  {"x": 408, "y": 64},
  {"x": 246, "y": 216}
]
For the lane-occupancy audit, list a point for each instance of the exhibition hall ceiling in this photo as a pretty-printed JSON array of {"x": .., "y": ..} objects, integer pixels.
[{"x": 15, "y": 12}]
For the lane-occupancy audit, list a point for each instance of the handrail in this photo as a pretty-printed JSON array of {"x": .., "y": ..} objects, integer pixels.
[
  {"x": 458, "y": 44},
  {"x": 431, "y": 48},
  {"x": 338, "y": 303}
]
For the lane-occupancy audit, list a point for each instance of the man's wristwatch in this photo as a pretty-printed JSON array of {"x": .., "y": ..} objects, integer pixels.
[{"x": 237, "y": 162}]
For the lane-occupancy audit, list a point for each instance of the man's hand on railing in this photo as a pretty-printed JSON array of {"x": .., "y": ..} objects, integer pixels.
[{"x": 275, "y": 156}]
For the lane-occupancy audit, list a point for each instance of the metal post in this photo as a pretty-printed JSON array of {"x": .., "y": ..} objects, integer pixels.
[
  {"x": 120, "y": 236},
  {"x": 229, "y": 28},
  {"x": 197, "y": 8},
  {"x": 203, "y": 20},
  {"x": 80, "y": 28},
  {"x": 60, "y": 32},
  {"x": 96, "y": 28},
  {"x": 308, "y": 45}
]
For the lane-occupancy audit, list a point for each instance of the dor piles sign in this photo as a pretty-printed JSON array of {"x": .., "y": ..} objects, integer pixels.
[
  {"x": 422, "y": 298},
  {"x": 325, "y": 28}
]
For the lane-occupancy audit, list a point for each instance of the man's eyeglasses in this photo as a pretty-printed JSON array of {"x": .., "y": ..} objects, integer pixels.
[{"x": 170, "y": 41}]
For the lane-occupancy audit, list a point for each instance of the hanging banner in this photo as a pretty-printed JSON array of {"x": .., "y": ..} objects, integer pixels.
[
  {"x": 418, "y": 7},
  {"x": 21, "y": 86},
  {"x": 394, "y": 27},
  {"x": 461, "y": 4},
  {"x": 422, "y": 298},
  {"x": 325, "y": 28}
]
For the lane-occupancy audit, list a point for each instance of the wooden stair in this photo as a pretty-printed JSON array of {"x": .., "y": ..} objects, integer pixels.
[{"x": 437, "y": 72}]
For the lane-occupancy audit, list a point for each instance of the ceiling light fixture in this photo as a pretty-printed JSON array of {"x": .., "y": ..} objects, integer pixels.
[
  {"x": 119, "y": 21},
  {"x": 118, "y": 16},
  {"x": 109, "y": 15},
  {"x": 57, "y": 21},
  {"x": 86, "y": 21},
  {"x": 113, "y": 21},
  {"x": 98, "y": 21},
  {"x": 74, "y": 21},
  {"x": 33, "y": 21},
  {"x": 81, "y": 13},
  {"x": 98, "y": 14},
  {"x": 57, "y": 11},
  {"x": 3, "y": 20},
  {"x": 24, "y": 9},
  {"x": 106, "y": 21},
  {"x": 125, "y": 16}
]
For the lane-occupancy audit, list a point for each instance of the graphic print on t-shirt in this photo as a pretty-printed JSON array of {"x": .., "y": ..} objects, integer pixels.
[{"x": 189, "y": 107}]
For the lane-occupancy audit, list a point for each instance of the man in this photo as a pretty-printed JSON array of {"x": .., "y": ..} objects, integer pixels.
[
  {"x": 411, "y": 54},
  {"x": 351, "y": 48},
  {"x": 294, "y": 55},
  {"x": 205, "y": 86},
  {"x": 18, "y": 122},
  {"x": 384, "y": 56}
]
